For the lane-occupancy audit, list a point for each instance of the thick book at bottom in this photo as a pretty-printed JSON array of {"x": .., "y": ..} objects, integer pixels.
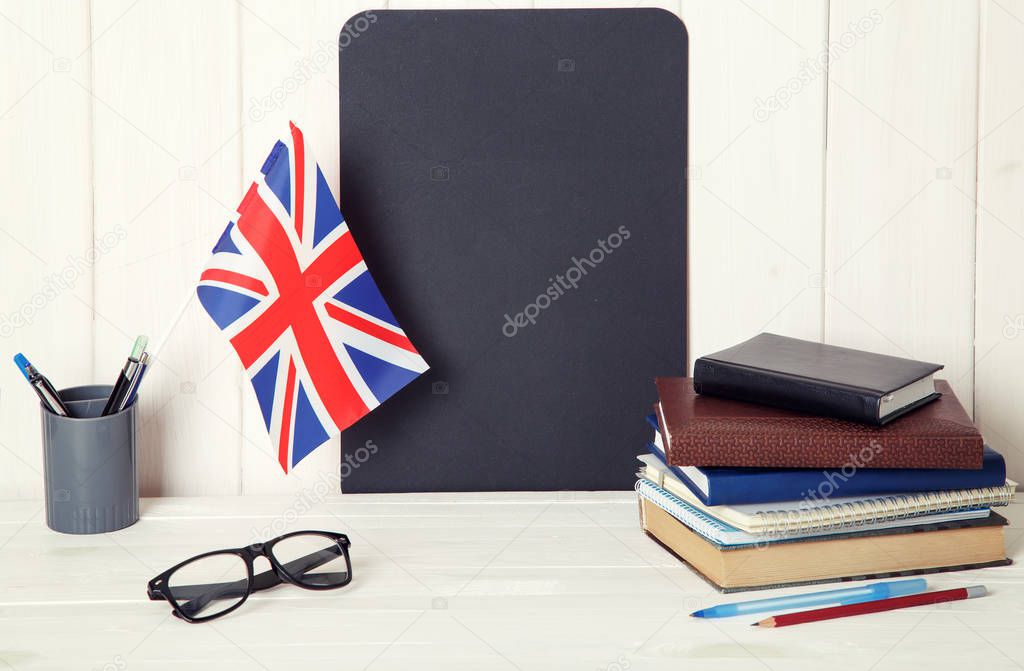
[{"x": 953, "y": 546}]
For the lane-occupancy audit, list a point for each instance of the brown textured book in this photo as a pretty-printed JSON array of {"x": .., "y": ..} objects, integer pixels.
[
  {"x": 709, "y": 431},
  {"x": 965, "y": 545}
]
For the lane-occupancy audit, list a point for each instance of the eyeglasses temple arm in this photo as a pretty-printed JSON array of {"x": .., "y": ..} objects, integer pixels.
[
  {"x": 312, "y": 561},
  {"x": 261, "y": 581},
  {"x": 199, "y": 596}
]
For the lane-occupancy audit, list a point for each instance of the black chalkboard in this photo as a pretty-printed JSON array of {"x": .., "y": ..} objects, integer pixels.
[{"x": 515, "y": 180}]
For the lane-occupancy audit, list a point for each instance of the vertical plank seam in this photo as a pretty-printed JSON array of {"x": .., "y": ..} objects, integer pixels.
[
  {"x": 982, "y": 17},
  {"x": 240, "y": 91},
  {"x": 825, "y": 279},
  {"x": 92, "y": 188}
]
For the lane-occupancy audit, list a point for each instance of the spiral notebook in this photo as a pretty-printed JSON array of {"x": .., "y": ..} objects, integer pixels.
[
  {"x": 808, "y": 518},
  {"x": 720, "y": 533}
]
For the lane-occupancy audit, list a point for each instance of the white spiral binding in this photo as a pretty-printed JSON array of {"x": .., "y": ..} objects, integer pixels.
[
  {"x": 882, "y": 509},
  {"x": 701, "y": 522}
]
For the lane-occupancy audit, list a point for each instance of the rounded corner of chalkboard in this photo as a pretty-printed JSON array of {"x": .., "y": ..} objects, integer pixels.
[{"x": 673, "y": 18}]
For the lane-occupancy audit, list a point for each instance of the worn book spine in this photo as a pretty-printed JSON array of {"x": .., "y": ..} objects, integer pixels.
[
  {"x": 710, "y": 431},
  {"x": 794, "y": 443},
  {"x": 754, "y": 385}
]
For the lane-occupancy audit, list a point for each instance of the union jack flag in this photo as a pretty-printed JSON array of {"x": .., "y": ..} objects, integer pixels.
[{"x": 289, "y": 288}]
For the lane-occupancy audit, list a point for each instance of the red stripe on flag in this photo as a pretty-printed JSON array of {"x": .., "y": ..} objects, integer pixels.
[
  {"x": 286, "y": 417},
  {"x": 294, "y": 308},
  {"x": 330, "y": 379},
  {"x": 297, "y": 290},
  {"x": 247, "y": 198},
  {"x": 238, "y": 279},
  {"x": 300, "y": 177},
  {"x": 263, "y": 231},
  {"x": 375, "y": 330},
  {"x": 332, "y": 263}
]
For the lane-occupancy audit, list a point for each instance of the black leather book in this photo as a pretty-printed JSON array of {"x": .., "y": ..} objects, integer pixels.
[{"x": 817, "y": 379}]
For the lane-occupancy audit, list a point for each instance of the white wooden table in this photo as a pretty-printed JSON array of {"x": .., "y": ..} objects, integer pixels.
[{"x": 499, "y": 581}]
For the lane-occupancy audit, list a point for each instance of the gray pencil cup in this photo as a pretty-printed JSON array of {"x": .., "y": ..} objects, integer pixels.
[{"x": 89, "y": 464}]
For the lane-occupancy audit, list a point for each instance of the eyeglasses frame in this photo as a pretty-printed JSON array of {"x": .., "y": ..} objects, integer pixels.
[{"x": 157, "y": 589}]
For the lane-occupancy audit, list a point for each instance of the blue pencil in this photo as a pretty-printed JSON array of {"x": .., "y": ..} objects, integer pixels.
[{"x": 880, "y": 590}]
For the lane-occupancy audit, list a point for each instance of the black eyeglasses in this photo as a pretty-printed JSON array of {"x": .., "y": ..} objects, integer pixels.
[{"x": 215, "y": 583}]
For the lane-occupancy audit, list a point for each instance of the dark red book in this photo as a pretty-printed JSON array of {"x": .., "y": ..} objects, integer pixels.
[{"x": 710, "y": 431}]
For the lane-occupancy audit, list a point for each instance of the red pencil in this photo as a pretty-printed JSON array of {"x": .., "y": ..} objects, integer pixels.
[{"x": 878, "y": 606}]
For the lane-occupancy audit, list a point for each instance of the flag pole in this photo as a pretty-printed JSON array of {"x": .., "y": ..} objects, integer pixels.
[{"x": 154, "y": 352}]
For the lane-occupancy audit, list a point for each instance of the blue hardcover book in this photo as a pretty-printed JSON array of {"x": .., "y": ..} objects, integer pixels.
[{"x": 716, "y": 486}]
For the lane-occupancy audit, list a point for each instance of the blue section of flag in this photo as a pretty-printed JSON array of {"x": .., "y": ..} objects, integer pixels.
[
  {"x": 383, "y": 378},
  {"x": 223, "y": 305},
  {"x": 328, "y": 216},
  {"x": 226, "y": 244},
  {"x": 309, "y": 432},
  {"x": 265, "y": 383},
  {"x": 362, "y": 294},
  {"x": 278, "y": 175}
]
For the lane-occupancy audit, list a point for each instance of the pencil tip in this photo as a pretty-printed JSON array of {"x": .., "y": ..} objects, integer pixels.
[
  {"x": 697, "y": 613},
  {"x": 756, "y": 624}
]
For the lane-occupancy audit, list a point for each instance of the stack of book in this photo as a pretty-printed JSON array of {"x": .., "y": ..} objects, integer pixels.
[{"x": 784, "y": 462}]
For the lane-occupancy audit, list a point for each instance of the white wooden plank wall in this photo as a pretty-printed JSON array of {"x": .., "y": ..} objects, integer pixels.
[
  {"x": 899, "y": 219},
  {"x": 46, "y": 232},
  {"x": 166, "y": 153},
  {"x": 999, "y": 305},
  {"x": 854, "y": 176}
]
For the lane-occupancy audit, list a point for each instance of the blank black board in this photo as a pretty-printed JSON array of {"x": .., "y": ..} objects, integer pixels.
[{"x": 484, "y": 156}]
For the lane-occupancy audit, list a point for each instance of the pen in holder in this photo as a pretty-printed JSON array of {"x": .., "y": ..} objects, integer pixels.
[{"x": 90, "y": 464}]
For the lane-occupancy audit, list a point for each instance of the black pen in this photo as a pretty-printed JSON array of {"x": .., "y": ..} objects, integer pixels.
[
  {"x": 47, "y": 394},
  {"x": 124, "y": 379},
  {"x": 133, "y": 389}
]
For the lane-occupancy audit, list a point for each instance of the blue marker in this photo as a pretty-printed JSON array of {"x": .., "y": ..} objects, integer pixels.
[
  {"x": 47, "y": 394},
  {"x": 842, "y": 597}
]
